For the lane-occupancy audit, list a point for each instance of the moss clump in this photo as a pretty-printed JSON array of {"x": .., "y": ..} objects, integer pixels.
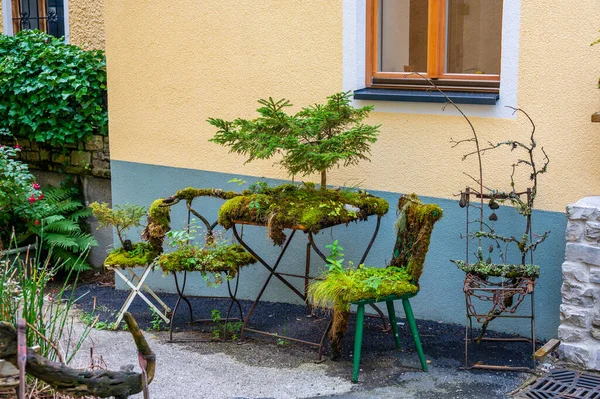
[
  {"x": 141, "y": 254},
  {"x": 189, "y": 193},
  {"x": 339, "y": 289},
  {"x": 507, "y": 270},
  {"x": 292, "y": 206},
  {"x": 214, "y": 259},
  {"x": 159, "y": 223}
]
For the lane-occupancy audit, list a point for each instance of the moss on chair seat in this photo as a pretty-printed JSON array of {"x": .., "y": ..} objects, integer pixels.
[
  {"x": 508, "y": 270},
  {"x": 214, "y": 259},
  {"x": 339, "y": 289},
  {"x": 140, "y": 254}
]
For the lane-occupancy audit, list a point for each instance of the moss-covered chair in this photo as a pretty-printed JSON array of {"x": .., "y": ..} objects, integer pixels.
[
  {"x": 214, "y": 257},
  {"x": 342, "y": 288}
]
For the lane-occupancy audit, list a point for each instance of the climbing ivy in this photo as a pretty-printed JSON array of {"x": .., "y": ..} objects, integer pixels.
[{"x": 50, "y": 91}]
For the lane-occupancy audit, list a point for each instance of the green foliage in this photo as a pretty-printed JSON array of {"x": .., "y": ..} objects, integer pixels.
[
  {"x": 507, "y": 270},
  {"x": 62, "y": 219},
  {"x": 156, "y": 323},
  {"x": 93, "y": 321},
  {"x": 334, "y": 259},
  {"x": 121, "y": 217},
  {"x": 24, "y": 289},
  {"x": 315, "y": 139},
  {"x": 224, "y": 330},
  {"x": 19, "y": 196},
  {"x": 50, "y": 91},
  {"x": 290, "y": 205}
]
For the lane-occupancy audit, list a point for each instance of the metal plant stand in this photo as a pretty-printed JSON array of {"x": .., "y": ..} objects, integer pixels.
[
  {"x": 500, "y": 296},
  {"x": 306, "y": 277}
]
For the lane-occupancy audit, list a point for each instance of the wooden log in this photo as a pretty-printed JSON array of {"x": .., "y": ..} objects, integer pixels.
[{"x": 78, "y": 383}]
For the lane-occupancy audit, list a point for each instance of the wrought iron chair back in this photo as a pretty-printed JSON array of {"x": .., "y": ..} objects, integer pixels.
[{"x": 159, "y": 226}]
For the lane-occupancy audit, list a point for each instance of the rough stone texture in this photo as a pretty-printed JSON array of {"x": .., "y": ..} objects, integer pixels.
[
  {"x": 570, "y": 334},
  {"x": 575, "y": 231},
  {"x": 580, "y": 310},
  {"x": 592, "y": 231}
]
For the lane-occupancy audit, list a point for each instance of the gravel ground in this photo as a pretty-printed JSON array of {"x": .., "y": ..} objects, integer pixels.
[{"x": 265, "y": 367}]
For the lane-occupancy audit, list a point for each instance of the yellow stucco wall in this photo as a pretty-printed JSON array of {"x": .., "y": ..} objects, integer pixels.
[
  {"x": 86, "y": 23},
  {"x": 170, "y": 68}
]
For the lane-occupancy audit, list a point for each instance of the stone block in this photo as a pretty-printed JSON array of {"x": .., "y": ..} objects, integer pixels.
[
  {"x": 595, "y": 275},
  {"x": 96, "y": 143},
  {"x": 575, "y": 212},
  {"x": 583, "y": 253},
  {"x": 58, "y": 158},
  {"x": 575, "y": 316},
  {"x": 579, "y": 295},
  {"x": 595, "y": 333},
  {"x": 100, "y": 165},
  {"x": 574, "y": 231},
  {"x": 586, "y": 356},
  {"x": 80, "y": 158},
  {"x": 32, "y": 156},
  {"x": 596, "y": 320},
  {"x": 592, "y": 231},
  {"x": 571, "y": 334},
  {"x": 574, "y": 272}
]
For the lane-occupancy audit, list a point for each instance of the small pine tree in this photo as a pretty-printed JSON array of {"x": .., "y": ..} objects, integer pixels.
[{"x": 315, "y": 139}]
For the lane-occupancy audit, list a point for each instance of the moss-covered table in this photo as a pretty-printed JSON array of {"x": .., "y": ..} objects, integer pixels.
[{"x": 297, "y": 208}]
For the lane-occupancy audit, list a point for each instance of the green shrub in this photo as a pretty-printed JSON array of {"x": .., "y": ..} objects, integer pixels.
[{"x": 50, "y": 91}]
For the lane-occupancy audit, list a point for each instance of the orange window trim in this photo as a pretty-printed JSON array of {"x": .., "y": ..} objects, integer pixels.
[{"x": 436, "y": 45}]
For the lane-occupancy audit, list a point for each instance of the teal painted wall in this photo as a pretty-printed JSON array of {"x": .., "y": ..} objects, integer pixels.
[{"x": 441, "y": 297}]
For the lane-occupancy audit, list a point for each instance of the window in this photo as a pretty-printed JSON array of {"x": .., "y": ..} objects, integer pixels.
[
  {"x": 455, "y": 42},
  {"x": 44, "y": 15}
]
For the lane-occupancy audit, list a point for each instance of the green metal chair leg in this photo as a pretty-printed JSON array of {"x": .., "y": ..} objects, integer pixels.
[
  {"x": 360, "y": 321},
  {"x": 392, "y": 315},
  {"x": 410, "y": 317}
]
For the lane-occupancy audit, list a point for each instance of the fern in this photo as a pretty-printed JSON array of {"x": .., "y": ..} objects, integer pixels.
[{"x": 61, "y": 227}]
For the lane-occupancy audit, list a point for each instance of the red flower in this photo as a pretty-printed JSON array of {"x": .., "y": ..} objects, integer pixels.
[
  {"x": 31, "y": 199},
  {"x": 17, "y": 147},
  {"x": 41, "y": 196},
  {"x": 37, "y": 222},
  {"x": 36, "y": 186}
]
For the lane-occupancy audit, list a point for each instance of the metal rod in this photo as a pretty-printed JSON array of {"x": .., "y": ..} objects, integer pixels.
[
  {"x": 283, "y": 337},
  {"x": 364, "y": 257}
]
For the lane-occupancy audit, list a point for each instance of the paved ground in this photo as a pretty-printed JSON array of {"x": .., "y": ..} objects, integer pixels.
[{"x": 265, "y": 368}]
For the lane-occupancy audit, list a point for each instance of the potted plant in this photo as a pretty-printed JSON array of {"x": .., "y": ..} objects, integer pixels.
[{"x": 122, "y": 218}]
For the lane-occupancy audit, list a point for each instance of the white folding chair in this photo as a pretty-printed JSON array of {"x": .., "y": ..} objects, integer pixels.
[{"x": 136, "y": 283}]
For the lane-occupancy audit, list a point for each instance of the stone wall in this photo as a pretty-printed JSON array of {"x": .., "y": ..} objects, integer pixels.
[
  {"x": 579, "y": 328},
  {"x": 84, "y": 159}
]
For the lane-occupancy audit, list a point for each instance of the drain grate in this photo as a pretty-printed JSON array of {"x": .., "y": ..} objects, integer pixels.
[{"x": 564, "y": 384}]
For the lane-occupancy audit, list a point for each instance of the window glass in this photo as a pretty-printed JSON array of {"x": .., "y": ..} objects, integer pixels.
[
  {"x": 402, "y": 35},
  {"x": 474, "y": 32}
]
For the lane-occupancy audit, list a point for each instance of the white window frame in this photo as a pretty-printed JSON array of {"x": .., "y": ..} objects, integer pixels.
[
  {"x": 8, "y": 23},
  {"x": 354, "y": 68}
]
